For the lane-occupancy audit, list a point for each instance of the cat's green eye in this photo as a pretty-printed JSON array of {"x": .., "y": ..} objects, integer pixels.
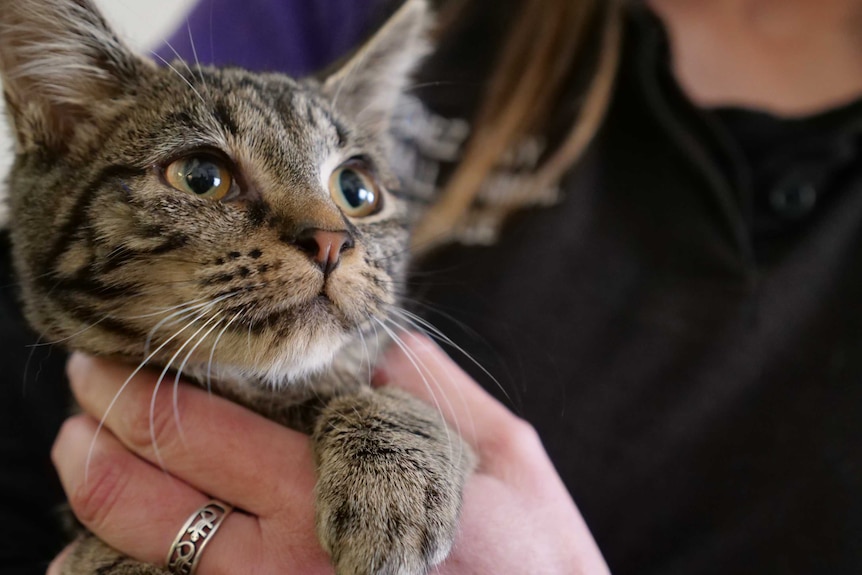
[
  {"x": 354, "y": 190},
  {"x": 200, "y": 176}
]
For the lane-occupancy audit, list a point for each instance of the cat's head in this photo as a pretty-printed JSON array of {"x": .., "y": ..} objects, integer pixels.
[{"x": 198, "y": 212}]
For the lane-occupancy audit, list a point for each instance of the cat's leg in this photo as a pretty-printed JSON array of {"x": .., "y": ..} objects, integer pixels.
[
  {"x": 390, "y": 481},
  {"x": 91, "y": 556}
]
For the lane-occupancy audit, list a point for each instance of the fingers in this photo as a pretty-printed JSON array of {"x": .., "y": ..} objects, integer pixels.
[
  {"x": 127, "y": 502},
  {"x": 514, "y": 468},
  {"x": 138, "y": 509},
  {"x": 219, "y": 447}
]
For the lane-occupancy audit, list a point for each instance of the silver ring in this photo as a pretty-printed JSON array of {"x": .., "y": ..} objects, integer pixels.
[{"x": 185, "y": 553}]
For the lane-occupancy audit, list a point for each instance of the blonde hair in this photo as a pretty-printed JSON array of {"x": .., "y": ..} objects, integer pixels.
[{"x": 536, "y": 61}]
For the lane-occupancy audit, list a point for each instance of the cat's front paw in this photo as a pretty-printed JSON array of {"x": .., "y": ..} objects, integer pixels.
[
  {"x": 384, "y": 527},
  {"x": 389, "y": 485}
]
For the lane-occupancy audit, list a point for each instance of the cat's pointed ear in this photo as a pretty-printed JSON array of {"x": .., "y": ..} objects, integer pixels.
[
  {"x": 367, "y": 86},
  {"x": 60, "y": 64}
]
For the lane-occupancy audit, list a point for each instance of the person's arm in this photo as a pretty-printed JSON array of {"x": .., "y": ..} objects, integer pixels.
[{"x": 516, "y": 511}]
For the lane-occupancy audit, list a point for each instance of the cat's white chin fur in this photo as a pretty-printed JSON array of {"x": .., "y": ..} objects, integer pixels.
[{"x": 291, "y": 365}]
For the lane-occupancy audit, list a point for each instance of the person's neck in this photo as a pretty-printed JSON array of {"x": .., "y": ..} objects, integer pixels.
[{"x": 788, "y": 57}]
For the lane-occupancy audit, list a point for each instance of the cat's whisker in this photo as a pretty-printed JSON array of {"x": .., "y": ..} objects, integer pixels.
[
  {"x": 367, "y": 352},
  {"x": 248, "y": 336},
  {"x": 159, "y": 311},
  {"x": 177, "y": 72},
  {"x": 83, "y": 330},
  {"x": 419, "y": 303},
  {"x": 418, "y": 366},
  {"x": 427, "y": 327},
  {"x": 107, "y": 317},
  {"x": 122, "y": 388},
  {"x": 172, "y": 259},
  {"x": 435, "y": 84},
  {"x": 195, "y": 54},
  {"x": 363, "y": 333},
  {"x": 177, "y": 54},
  {"x": 154, "y": 396},
  {"x": 176, "y": 381},
  {"x": 179, "y": 57},
  {"x": 169, "y": 321},
  {"x": 191, "y": 352},
  {"x": 213, "y": 350},
  {"x": 27, "y": 367},
  {"x": 462, "y": 399},
  {"x": 374, "y": 326},
  {"x": 117, "y": 250},
  {"x": 156, "y": 451},
  {"x": 187, "y": 310},
  {"x": 133, "y": 253},
  {"x": 19, "y": 283},
  {"x": 436, "y": 382}
]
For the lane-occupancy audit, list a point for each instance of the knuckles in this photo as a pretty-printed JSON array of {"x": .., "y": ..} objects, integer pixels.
[
  {"x": 96, "y": 497},
  {"x": 517, "y": 441},
  {"x": 149, "y": 425},
  {"x": 143, "y": 411}
]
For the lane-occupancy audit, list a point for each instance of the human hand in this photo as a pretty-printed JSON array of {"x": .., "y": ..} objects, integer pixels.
[{"x": 517, "y": 516}]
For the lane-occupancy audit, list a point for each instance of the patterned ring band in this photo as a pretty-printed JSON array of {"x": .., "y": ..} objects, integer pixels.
[{"x": 185, "y": 553}]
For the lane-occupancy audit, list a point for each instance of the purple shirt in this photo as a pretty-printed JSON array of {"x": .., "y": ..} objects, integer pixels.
[{"x": 293, "y": 36}]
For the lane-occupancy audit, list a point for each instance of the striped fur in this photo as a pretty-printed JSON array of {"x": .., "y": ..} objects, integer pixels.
[{"x": 114, "y": 261}]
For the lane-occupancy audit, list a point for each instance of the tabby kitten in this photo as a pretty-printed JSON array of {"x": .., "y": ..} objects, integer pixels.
[{"x": 242, "y": 228}]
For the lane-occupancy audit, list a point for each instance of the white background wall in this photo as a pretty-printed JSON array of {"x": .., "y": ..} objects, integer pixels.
[{"x": 142, "y": 23}]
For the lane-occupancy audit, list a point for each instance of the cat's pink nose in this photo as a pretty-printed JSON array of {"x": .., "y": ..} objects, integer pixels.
[{"x": 324, "y": 247}]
